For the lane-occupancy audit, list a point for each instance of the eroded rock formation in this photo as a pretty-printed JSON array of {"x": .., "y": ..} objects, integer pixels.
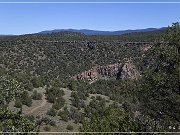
[
  {"x": 98, "y": 72},
  {"x": 129, "y": 71},
  {"x": 118, "y": 70}
]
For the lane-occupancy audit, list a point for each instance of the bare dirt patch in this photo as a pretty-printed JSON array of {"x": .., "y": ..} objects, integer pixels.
[
  {"x": 43, "y": 103},
  {"x": 39, "y": 107}
]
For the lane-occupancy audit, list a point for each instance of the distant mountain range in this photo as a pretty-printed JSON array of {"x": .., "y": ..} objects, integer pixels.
[
  {"x": 97, "y": 32},
  {"x": 5, "y": 35}
]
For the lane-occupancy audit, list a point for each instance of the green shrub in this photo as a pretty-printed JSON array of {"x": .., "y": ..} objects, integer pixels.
[
  {"x": 26, "y": 99},
  {"x": 52, "y": 112},
  {"x": 69, "y": 127},
  {"x": 98, "y": 98},
  {"x": 12, "y": 121},
  {"x": 31, "y": 118},
  {"x": 36, "y": 82},
  {"x": 47, "y": 128},
  {"x": 45, "y": 120},
  {"x": 18, "y": 103},
  {"x": 59, "y": 103},
  {"x": 36, "y": 95},
  {"x": 64, "y": 115},
  {"x": 53, "y": 94},
  {"x": 28, "y": 86},
  {"x": 52, "y": 123},
  {"x": 51, "y": 97}
]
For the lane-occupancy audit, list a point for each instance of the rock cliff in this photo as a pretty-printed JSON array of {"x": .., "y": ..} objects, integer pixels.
[
  {"x": 118, "y": 71},
  {"x": 98, "y": 72},
  {"x": 129, "y": 71}
]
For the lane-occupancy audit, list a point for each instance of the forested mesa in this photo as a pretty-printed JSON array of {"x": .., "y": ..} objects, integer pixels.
[{"x": 75, "y": 82}]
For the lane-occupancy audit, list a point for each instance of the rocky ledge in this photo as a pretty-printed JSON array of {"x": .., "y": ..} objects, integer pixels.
[{"x": 118, "y": 70}]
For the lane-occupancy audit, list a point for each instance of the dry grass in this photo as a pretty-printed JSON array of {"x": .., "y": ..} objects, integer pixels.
[
  {"x": 40, "y": 108},
  {"x": 67, "y": 97},
  {"x": 61, "y": 126}
]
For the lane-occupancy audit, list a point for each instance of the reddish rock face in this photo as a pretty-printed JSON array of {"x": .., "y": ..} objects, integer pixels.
[
  {"x": 97, "y": 72},
  {"x": 129, "y": 71},
  {"x": 126, "y": 71}
]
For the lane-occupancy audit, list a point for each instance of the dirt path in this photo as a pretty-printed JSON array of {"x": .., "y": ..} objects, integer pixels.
[{"x": 44, "y": 102}]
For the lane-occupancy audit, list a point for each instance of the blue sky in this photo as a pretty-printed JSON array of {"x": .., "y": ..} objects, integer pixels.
[{"x": 31, "y": 18}]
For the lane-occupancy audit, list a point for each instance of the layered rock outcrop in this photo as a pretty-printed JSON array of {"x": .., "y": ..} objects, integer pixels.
[
  {"x": 118, "y": 71},
  {"x": 98, "y": 72},
  {"x": 129, "y": 71}
]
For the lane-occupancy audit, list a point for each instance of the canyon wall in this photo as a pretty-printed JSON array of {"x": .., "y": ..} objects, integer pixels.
[
  {"x": 98, "y": 72},
  {"x": 119, "y": 71}
]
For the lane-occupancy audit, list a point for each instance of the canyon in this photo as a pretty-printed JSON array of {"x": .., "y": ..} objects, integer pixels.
[{"x": 118, "y": 71}]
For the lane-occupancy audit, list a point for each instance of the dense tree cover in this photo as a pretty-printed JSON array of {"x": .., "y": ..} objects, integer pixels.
[
  {"x": 69, "y": 127},
  {"x": 99, "y": 118},
  {"x": 59, "y": 103},
  {"x": 37, "y": 82},
  {"x": 46, "y": 121},
  {"x": 110, "y": 120},
  {"x": 18, "y": 103},
  {"x": 10, "y": 89},
  {"x": 15, "y": 122},
  {"x": 36, "y": 95},
  {"x": 43, "y": 61},
  {"x": 159, "y": 90},
  {"x": 52, "y": 112},
  {"x": 65, "y": 114},
  {"x": 26, "y": 99},
  {"x": 119, "y": 91},
  {"x": 150, "y": 103},
  {"x": 54, "y": 95},
  {"x": 155, "y": 95}
]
